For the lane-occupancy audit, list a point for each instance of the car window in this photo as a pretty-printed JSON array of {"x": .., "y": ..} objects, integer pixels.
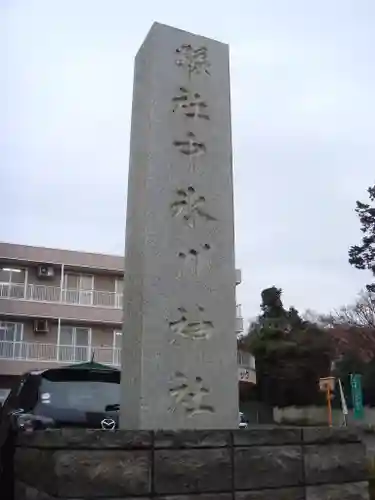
[
  {"x": 3, "y": 395},
  {"x": 89, "y": 392},
  {"x": 84, "y": 396},
  {"x": 12, "y": 399},
  {"x": 28, "y": 392}
]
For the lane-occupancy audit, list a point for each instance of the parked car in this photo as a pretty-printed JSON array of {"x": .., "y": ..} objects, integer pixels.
[
  {"x": 3, "y": 395},
  {"x": 84, "y": 395}
]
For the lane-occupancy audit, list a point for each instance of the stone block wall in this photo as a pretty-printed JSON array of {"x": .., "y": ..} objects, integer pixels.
[
  {"x": 317, "y": 415},
  {"x": 256, "y": 464}
]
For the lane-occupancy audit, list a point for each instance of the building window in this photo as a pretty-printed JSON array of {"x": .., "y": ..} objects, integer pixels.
[
  {"x": 119, "y": 285},
  {"x": 11, "y": 336},
  {"x": 12, "y": 282},
  {"x": 117, "y": 344},
  {"x": 117, "y": 339},
  {"x": 119, "y": 289},
  {"x": 74, "y": 344},
  {"x": 79, "y": 288}
]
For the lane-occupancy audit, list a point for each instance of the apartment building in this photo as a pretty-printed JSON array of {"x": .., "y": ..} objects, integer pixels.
[{"x": 61, "y": 307}]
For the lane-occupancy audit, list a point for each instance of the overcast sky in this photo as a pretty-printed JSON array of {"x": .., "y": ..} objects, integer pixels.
[{"x": 303, "y": 110}]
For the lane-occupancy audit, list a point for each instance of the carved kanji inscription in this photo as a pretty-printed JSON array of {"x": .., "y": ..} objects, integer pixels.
[
  {"x": 195, "y": 259},
  {"x": 195, "y": 60},
  {"x": 191, "y": 104},
  {"x": 190, "y": 207},
  {"x": 192, "y": 325},
  {"x": 190, "y": 146},
  {"x": 190, "y": 394}
]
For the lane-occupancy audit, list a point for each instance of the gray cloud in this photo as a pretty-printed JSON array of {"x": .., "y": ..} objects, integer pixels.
[{"x": 303, "y": 128}]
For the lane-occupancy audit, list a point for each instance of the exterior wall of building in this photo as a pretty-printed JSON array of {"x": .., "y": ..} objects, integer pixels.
[
  {"x": 32, "y": 350},
  {"x": 28, "y": 308},
  {"x": 101, "y": 335},
  {"x": 24, "y": 293},
  {"x": 40, "y": 338},
  {"x": 23, "y": 253},
  {"x": 33, "y": 279},
  {"x": 101, "y": 281},
  {"x": 81, "y": 302},
  {"x": 19, "y": 367}
]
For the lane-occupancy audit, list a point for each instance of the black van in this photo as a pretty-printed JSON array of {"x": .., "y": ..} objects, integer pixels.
[{"x": 84, "y": 395}]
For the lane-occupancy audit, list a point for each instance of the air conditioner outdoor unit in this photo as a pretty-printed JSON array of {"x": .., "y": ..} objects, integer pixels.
[
  {"x": 41, "y": 326},
  {"x": 45, "y": 271}
]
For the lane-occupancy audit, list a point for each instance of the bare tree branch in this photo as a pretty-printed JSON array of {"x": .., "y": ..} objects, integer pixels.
[{"x": 359, "y": 314}]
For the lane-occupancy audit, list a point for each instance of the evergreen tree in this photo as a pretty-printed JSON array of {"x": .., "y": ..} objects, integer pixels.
[
  {"x": 363, "y": 256},
  {"x": 291, "y": 354}
]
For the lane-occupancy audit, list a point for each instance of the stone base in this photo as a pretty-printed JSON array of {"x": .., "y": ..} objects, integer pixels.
[{"x": 256, "y": 464}]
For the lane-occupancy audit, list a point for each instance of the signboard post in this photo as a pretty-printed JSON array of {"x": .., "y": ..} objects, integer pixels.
[
  {"x": 344, "y": 406},
  {"x": 357, "y": 397},
  {"x": 327, "y": 385}
]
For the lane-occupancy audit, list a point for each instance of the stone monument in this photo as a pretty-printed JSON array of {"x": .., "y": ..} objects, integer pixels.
[{"x": 179, "y": 354}]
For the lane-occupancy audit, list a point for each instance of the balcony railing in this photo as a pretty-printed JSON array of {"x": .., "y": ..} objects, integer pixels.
[
  {"x": 43, "y": 293},
  {"x": 239, "y": 311},
  {"x": 96, "y": 298},
  {"x": 239, "y": 320},
  {"x": 35, "y": 351}
]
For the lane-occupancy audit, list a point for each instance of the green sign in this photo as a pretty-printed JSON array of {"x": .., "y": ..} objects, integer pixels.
[{"x": 357, "y": 397}]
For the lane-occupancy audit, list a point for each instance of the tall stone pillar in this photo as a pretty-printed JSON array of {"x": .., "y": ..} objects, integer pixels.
[{"x": 179, "y": 355}]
